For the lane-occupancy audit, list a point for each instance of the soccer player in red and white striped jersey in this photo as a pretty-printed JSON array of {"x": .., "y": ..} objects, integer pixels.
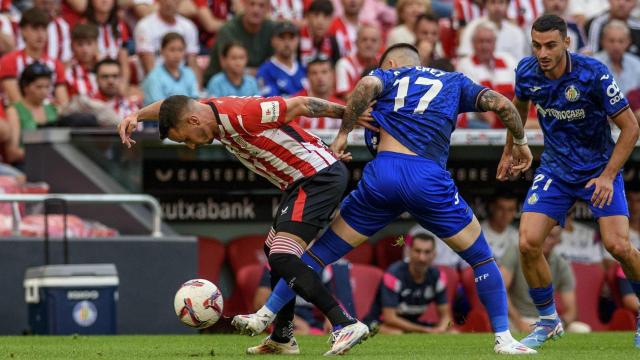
[
  {"x": 80, "y": 77},
  {"x": 33, "y": 29},
  {"x": 349, "y": 69},
  {"x": 261, "y": 134}
]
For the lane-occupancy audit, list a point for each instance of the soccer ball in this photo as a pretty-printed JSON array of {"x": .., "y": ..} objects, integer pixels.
[{"x": 198, "y": 303}]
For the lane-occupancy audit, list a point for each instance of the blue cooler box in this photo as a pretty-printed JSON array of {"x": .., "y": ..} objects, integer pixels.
[{"x": 70, "y": 299}]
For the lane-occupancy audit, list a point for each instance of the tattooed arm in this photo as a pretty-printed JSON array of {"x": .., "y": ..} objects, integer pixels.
[
  {"x": 312, "y": 107},
  {"x": 366, "y": 90},
  {"x": 518, "y": 158}
]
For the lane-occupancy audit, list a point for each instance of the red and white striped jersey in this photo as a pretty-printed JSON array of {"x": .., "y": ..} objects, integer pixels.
[
  {"x": 109, "y": 45},
  {"x": 292, "y": 10},
  {"x": 123, "y": 106},
  {"x": 58, "y": 40},
  {"x": 525, "y": 11},
  {"x": 466, "y": 10},
  {"x": 319, "y": 122},
  {"x": 348, "y": 71},
  {"x": 81, "y": 81},
  {"x": 13, "y": 64},
  {"x": 255, "y": 131},
  {"x": 309, "y": 50},
  {"x": 345, "y": 33}
]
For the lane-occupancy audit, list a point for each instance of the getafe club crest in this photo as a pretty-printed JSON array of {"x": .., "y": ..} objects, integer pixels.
[
  {"x": 571, "y": 93},
  {"x": 532, "y": 199}
]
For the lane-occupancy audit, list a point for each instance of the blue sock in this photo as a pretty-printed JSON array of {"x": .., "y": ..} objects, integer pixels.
[
  {"x": 489, "y": 283},
  {"x": 543, "y": 300},
  {"x": 326, "y": 250}
]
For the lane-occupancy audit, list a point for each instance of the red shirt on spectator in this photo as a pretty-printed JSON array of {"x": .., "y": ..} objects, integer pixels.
[
  {"x": 219, "y": 9},
  {"x": 319, "y": 122},
  {"x": 466, "y": 10},
  {"x": 348, "y": 71},
  {"x": 58, "y": 39},
  {"x": 12, "y": 65},
  {"x": 5, "y": 6},
  {"x": 345, "y": 33},
  {"x": 328, "y": 47},
  {"x": 70, "y": 15},
  {"x": 81, "y": 81},
  {"x": 108, "y": 44}
]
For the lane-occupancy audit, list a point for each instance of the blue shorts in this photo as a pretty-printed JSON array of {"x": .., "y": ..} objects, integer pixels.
[
  {"x": 554, "y": 197},
  {"x": 393, "y": 183}
]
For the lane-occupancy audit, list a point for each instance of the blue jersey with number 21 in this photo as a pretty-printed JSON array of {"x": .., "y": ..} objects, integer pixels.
[{"x": 419, "y": 107}]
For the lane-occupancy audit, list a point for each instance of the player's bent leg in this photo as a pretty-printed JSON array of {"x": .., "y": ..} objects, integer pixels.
[
  {"x": 615, "y": 237},
  {"x": 534, "y": 228}
]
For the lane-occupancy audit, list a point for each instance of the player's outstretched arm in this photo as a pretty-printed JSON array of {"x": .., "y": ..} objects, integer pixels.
[
  {"x": 510, "y": 117},
  {"x": 129, "y": 124},
  {"x": 312, "y": 107}
]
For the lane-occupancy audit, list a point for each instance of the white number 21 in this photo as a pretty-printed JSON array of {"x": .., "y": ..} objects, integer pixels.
[
  {"x": 403, "y": 89},
  {"x": 539, "y": 178}
]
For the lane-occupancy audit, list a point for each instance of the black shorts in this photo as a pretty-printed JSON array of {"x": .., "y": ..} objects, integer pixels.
[{"x": 307, "y": 205}]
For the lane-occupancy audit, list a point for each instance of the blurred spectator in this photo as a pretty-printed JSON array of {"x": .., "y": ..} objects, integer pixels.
[
  {"x": 282, "y": 75},
  {"x": 408, "y": 12},
  {"x": 345, "y": 27},
  {"x": 80, "y": 77},
  {"x": 426, "y": 29},
  {"x": 490, "y": 68},
  {"x": 581, "y": 10},
  {"x": 350, "y": 68},
  {"x": 445, "y": 256},
  {"x": 232, "y": 80},
  {"x": 32, "y": 110},
  {"x": 633, "y": 197},
  {"x": 618, "y": 10},
  {"x": 579, "y": 242},
  {"x": 627, "y": 295},
  {"x": 336, "y": 277},
  {"x": 574, "y": 31},
  {"x": 33, "y": 29},
  {"x": 524, "y": 12},
  {"x": 252, "y": 29},
  {"x": 7, "y": 34},
  {"x": 72, "y": 10},
  {"x": 509, "y": 37},
  {"x": 321, "y": 80},
  {"x": 208, "y": 15},
  {"x": 624, "y": 66},
  {"x": 407, "y": 289},
  {"x": 137, "y": 8},
  {"x": 465, "y": 11},
  {"x": 58, "y": 31},
  {"x": 522, "y": 312},
  {"x": 498, "y": 229},
  {"x": 288, "y": 10},
  {"x": 171, "y": 77},
  {"x": 109, "y": 77},
  {"x": 314, "y": 37},
  {"x": 150, "y": 30},
  {"x": 113, "y": 34}
]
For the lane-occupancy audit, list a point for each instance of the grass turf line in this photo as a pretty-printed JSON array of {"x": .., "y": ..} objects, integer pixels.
[{"x": 595, "y": 346}]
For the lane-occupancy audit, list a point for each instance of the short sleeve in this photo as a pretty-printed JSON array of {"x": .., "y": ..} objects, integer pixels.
[
  {"x": 470, "y": 93},
  {"x": 8, "y": 67},
  {"x": 390, "y": 290},
  {"x": 519, "y": 89},
  {"x": 607, "y": 91},
  {"x": 260, "y": 114}
]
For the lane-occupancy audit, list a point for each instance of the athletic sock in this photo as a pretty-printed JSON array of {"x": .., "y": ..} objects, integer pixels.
[
  {"x": 324, "y": 251},
  {"x": 543, "y": 300},
  {"x": 635, "y": 285},
  {"x": 489, "y": 282},
  {"x": 283, "y": 324}
]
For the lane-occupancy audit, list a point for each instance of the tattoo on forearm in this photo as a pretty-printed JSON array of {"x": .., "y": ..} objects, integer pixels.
[
  {"x": 366, "y": 90},
  {"x": 319, "y": 107},
  {"x": 507, "y": 112}
]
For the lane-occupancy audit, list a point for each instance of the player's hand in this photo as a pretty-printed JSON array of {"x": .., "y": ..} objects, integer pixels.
[
  {"x": 522, "y": 159},
  {"x": 365, "y": 119},
  {"x": 344, "y": 156},
  {"x": 339, "y": 144},
  {"x": 126, "y": 127},
  {"x": 603, "y": 193},
  {"x": 504, "y": 166}
]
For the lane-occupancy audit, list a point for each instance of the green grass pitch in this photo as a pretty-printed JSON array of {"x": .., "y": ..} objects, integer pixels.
[{"x": 595, "y": 346}]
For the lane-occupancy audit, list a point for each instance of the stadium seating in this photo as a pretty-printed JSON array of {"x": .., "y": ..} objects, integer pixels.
[
  {"x": 365, "y": 280},
  {"x": 589, "y": 281},
  {"x": 363, "y": 254},
  {"x": 246, "y": 250},
  {"x": 386, "y": 252},
  {"x": 247, "y": 281},
  {"x": 210, "y": 258}
]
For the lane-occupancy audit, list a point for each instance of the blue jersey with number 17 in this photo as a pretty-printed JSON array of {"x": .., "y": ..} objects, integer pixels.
[{"x": 419, "y": 107}]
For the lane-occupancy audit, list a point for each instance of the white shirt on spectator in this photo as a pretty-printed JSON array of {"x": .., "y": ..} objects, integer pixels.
[
  {"x": 151, "y": 29},
  {"x": 511, "y": 39},
  {"x": 629, "y": 78},
  {"x": 580, "y": 245},
  {"x": 400, "y": 34},
  {"x": 444, "y": 255},
  {"x": 499, "y": 242},
  {"x": 587, "y": 8}
]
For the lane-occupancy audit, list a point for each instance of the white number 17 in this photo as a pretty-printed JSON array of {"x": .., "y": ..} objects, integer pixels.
[{"x": 403, "y": 89}]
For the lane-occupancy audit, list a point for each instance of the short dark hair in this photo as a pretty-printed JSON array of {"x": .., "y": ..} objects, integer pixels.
[
  {"x": 33, "y": 72},
  {"x": 171, "y": 111},
  {"x": 84, "y": 32},
  {"x": 35, "y": 17},
  {"x": 230, "y": 45},
  {"x": 105, "y": 61},
  {"x": 428, "y": 17},
  {"x": 319, "y": 59},
  {"x": 549, "y": 22},
  {"x": 395, "y": 47},
  {"x": 424, "y": 237},
  {"x": 324, "y": 7},
  {"x": 169, "y": 37}
]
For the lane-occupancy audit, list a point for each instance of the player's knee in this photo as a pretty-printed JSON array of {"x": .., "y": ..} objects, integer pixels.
[
  {"x": 619, "y": 248},
  {"x": 529, "y": 247}
]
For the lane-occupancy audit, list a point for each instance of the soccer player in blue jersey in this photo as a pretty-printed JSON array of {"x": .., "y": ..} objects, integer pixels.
[
  {"x": 416, "y": 108},
  {"x": 574, "y": 96}
]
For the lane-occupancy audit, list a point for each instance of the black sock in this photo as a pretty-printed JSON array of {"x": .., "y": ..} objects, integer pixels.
[
  {"x": 306, "y": 283},
  {"x": 283, "y": 324}
]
